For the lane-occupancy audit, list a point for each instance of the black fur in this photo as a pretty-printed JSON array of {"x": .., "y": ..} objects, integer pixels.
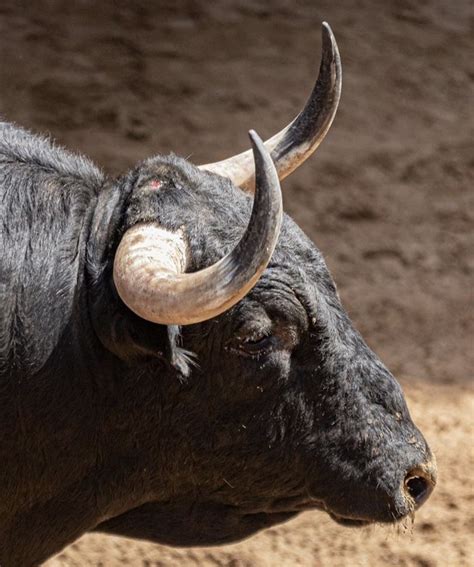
[{"x": 199, "y": 435}]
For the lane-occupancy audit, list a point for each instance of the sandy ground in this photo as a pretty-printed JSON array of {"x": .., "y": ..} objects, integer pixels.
[{"x": 388, "y": 198}]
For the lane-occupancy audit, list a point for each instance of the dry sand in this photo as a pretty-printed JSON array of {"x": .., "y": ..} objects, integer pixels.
[{"x": 388, "y": 198}]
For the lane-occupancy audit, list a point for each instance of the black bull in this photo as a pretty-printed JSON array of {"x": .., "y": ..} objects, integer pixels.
[{"x": 185, "y": 435}]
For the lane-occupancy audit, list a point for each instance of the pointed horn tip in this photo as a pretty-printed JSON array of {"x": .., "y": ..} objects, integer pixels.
[
  {"x": 328, "y": 36},
  {"x": 330, "y": 50},
  {"x": 254, "y": 137},
  {"x": 257, "y": 143},
  {"x": 326, "y": 29}
]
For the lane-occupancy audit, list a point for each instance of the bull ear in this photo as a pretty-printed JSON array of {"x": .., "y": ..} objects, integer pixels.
[{"x": 131, "y": 338}]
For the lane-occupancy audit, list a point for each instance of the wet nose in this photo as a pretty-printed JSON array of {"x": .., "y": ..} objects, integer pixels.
[{"x": 419, "y": 484}]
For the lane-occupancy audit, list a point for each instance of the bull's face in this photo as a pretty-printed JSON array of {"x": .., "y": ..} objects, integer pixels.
[
  {"x": 298, "y": 412},
  {"x": 278, "y": 405}
]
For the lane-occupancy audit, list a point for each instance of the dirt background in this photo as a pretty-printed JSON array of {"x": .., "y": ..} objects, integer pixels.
[{"x": 388, "y": 198}]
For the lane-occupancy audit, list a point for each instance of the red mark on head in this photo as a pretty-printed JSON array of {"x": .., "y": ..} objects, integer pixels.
[{"x": 155, "y": 184}]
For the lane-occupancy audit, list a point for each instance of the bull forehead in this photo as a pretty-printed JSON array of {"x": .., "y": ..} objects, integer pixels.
[{"x": 214, "y": 214}]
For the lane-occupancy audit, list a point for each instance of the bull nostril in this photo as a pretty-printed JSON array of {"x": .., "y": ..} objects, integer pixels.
[{"x": 419, "y": 485}]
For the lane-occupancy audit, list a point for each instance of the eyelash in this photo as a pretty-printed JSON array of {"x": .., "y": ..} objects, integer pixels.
[{"x": 254, "y": 348}]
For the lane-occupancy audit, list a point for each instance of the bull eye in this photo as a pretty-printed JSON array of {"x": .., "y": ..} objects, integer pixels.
[{"x": 252, "y": 345}]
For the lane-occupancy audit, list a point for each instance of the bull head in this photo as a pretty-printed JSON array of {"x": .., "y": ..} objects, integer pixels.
[{"x": 151, "y": 263}]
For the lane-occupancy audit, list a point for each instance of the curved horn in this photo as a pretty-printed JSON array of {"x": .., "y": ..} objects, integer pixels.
[
  {"x": 150, "y": 261},
  {"x": 295, "y": 143}
]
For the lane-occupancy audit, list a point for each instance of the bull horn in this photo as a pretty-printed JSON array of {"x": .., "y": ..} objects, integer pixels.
[
  {"x": 150, "y": 261},
  {"x": 295, "y": 143}
]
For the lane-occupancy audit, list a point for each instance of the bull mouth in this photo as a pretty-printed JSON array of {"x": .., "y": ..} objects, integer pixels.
[
  {"x": 292, "y": 507},
  {"x": 349, "y": 522}
]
